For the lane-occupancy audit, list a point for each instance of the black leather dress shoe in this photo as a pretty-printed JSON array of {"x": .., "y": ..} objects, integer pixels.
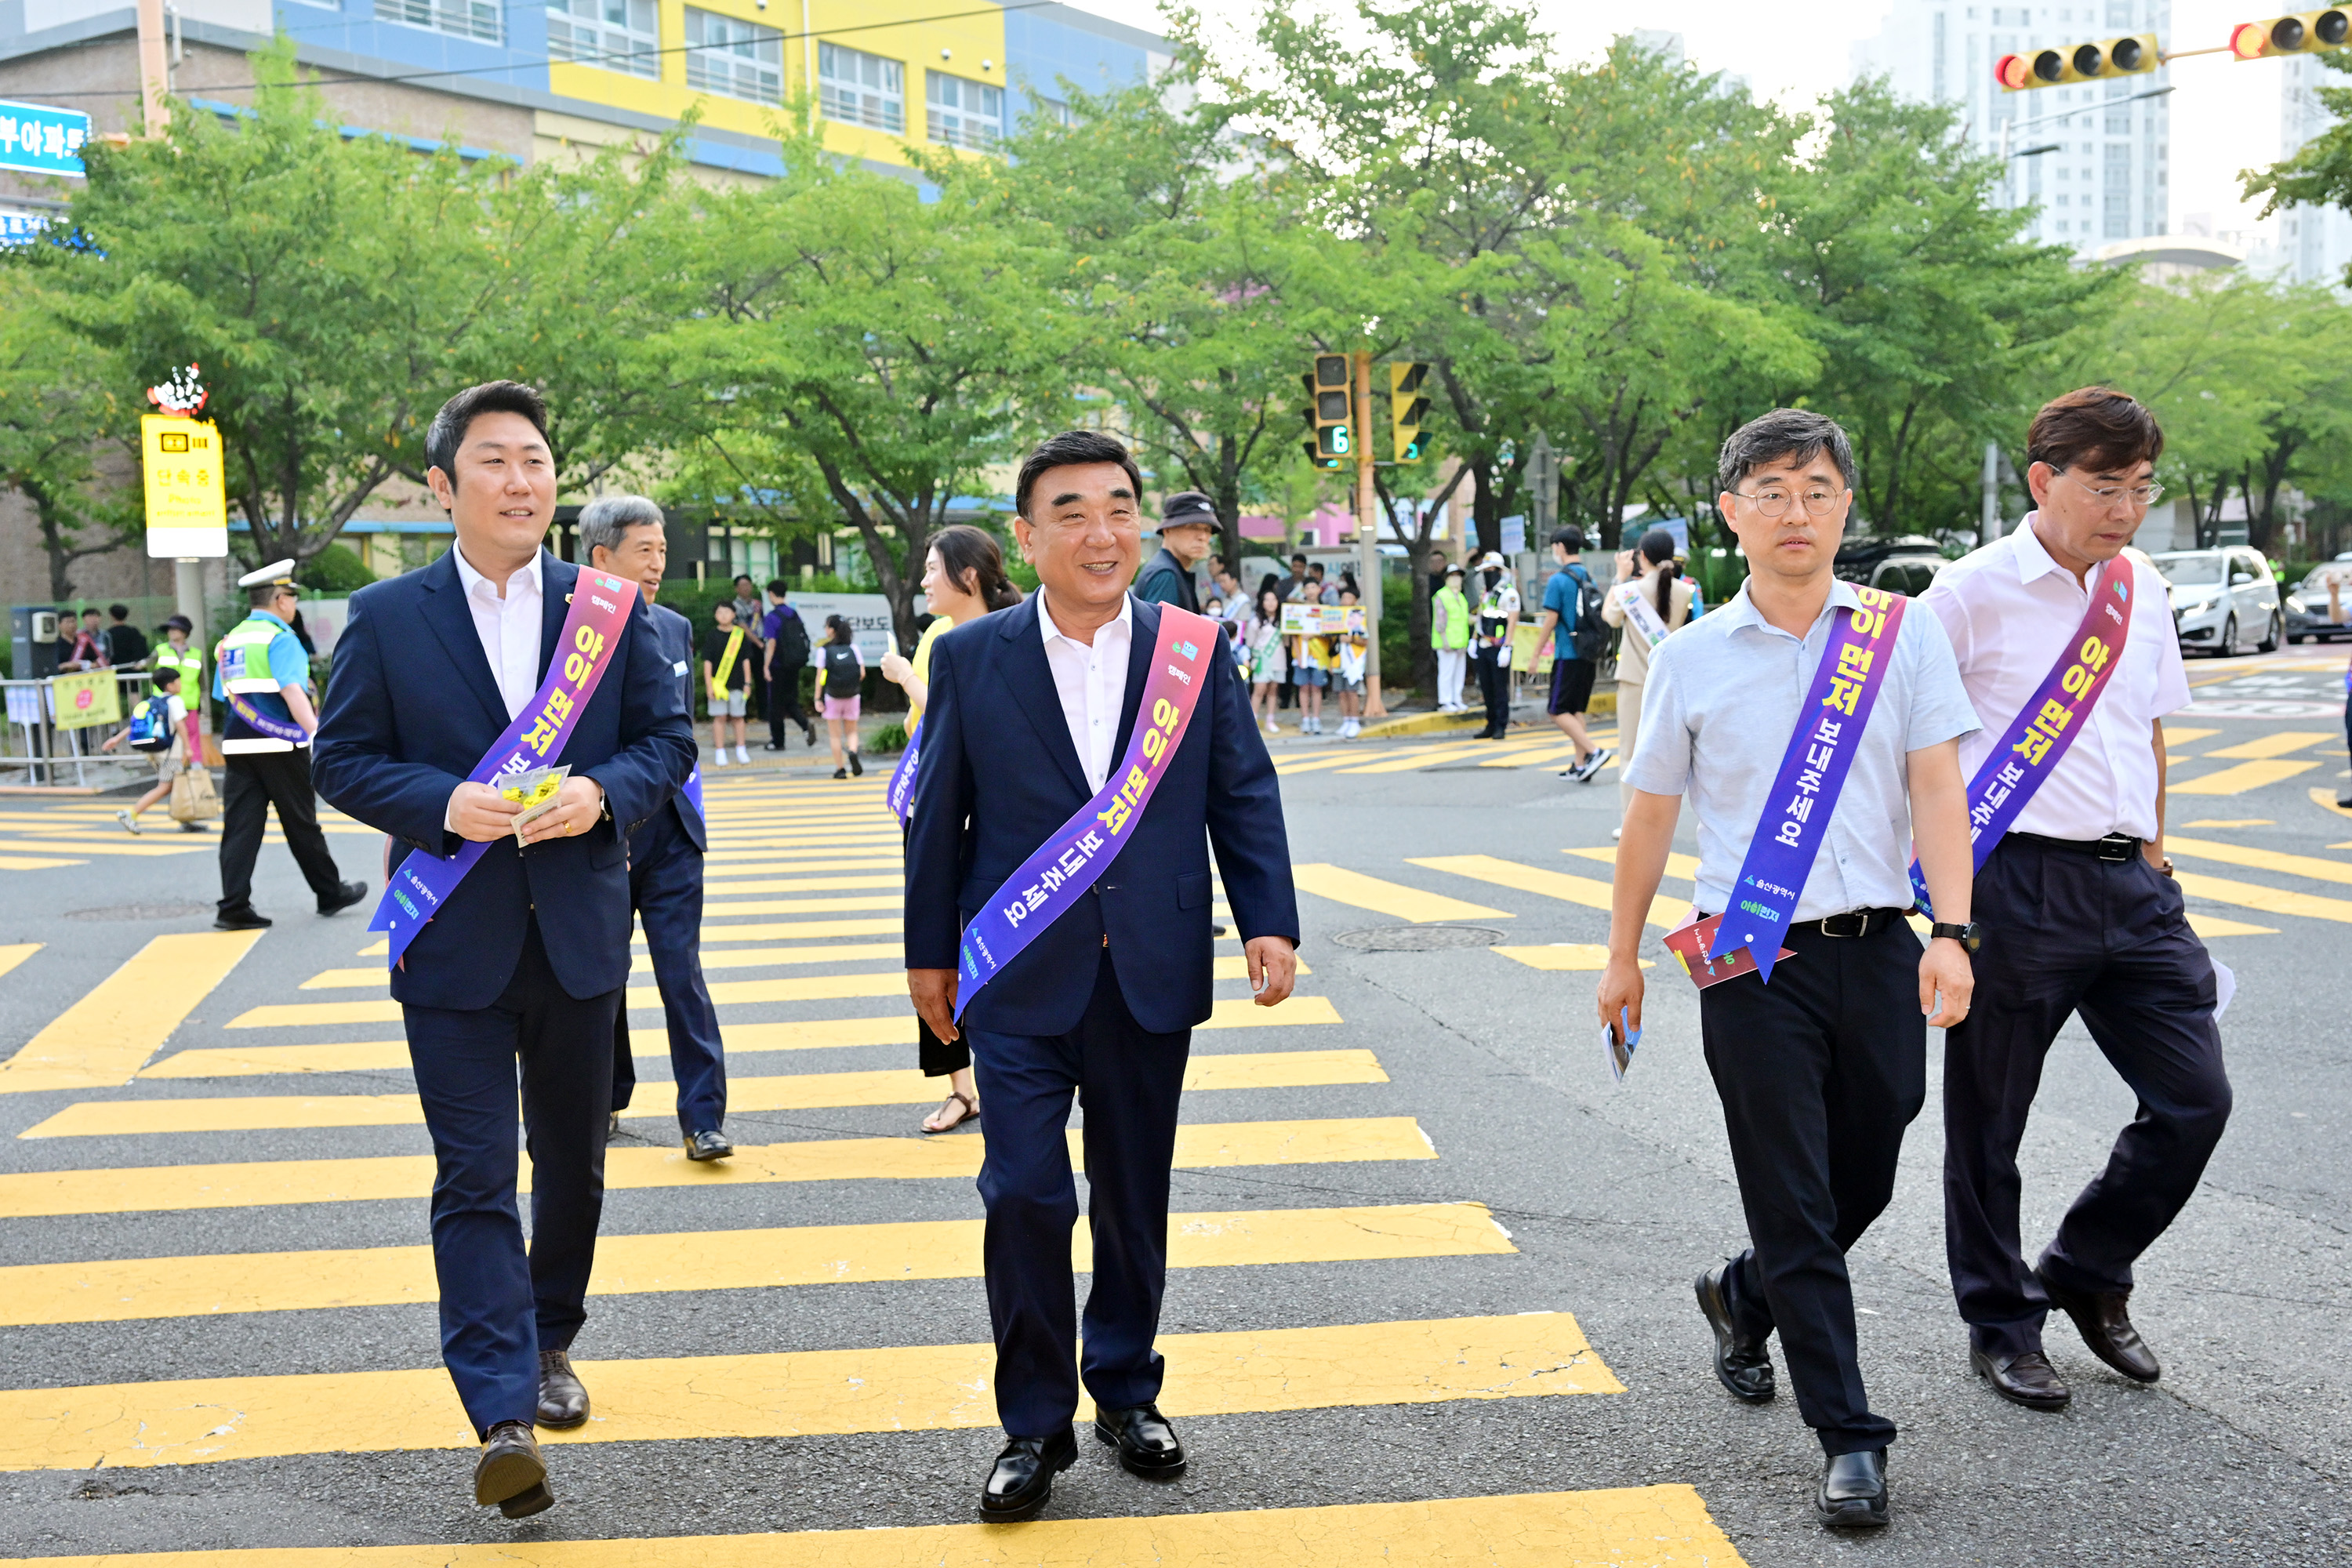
[
  {"x": 240, "y": 920},
  {"x": 1147, "y": 1444},
  {"x": 562, "y": 1397},
  {"x": 510, "y": 1473},
  {"x": 2107, "y": 1328},
  {"x": 1741, "y": 1365},
  {"x": 1024, "y": 1477},
  {"x": 707, "y": 1144},
  {"x": 2029, "y": 1379},
  {"x": 350, "y": 893},
  {"x": 1854, "y": 1490}
]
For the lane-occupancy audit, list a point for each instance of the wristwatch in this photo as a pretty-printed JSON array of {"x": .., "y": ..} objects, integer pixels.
[{"x": 1970, "y": 936}]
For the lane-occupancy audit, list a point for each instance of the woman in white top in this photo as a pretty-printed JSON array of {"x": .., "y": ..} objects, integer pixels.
[{"x": 1650, "y": 598}]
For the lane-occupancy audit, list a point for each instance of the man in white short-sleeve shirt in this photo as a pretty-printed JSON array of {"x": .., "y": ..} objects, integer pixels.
[
  {"x": 1820, "y": 1069},
  {"x": 2081, "y": 915}
]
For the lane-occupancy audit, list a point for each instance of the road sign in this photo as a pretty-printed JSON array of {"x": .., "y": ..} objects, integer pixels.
[
  {"x": 41, "y": 140},
  {"x": 187, "y": 508}
]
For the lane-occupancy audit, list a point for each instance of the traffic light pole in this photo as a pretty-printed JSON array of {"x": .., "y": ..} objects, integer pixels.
[{"x": 1367, "y": 536}]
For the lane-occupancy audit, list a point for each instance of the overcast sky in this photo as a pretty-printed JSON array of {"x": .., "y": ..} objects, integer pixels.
[{"x": 2225, "y": 114}]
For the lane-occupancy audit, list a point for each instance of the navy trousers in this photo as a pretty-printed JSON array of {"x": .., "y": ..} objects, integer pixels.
[
  {"x": 2068, "y": 933},
  {"x": 1132, "y": 1080},
  {"x": 500, "y": 1305},
  {"x": 1820, "y": 1073},
  {"x": 665, "y": 888}
]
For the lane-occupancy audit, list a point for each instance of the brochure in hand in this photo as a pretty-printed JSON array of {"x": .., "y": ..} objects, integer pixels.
[{"x": 534, "y": 790}]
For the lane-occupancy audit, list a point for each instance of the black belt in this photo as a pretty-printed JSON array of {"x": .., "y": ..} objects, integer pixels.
[
  {"x": 1852, "y": 923},
  {"x": 2115, "y": 848}
]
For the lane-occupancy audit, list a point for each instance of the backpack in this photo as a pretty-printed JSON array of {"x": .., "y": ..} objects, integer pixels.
[
  {"x": 792, "y": 640},
  {"x": 150, "y": 725},
  {"x": 1591, "y": 635},
  {"x": 841, "y": 670}
]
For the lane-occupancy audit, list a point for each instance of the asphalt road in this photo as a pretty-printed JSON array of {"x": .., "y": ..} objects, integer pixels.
[{"x": 1337, "y": 1398}]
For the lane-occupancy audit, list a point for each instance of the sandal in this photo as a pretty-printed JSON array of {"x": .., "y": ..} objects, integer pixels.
[{"x": 955, "y": 1097}]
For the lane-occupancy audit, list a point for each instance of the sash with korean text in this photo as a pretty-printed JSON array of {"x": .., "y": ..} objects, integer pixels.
[
  {"x": 1641, "y": 612},
  {"x": 1081, "y": 849},
  {"x": 901, "y": 793},
  {"x": 591, "y": 632},
  {"x": 2035, "y": 741},
  {"x": 1813, "y": 774}
]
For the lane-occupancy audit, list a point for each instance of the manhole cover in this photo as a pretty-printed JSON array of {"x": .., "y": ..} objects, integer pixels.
[
  {"x": 1418, "y": 938},
  {"x": 141, "y": 912}
]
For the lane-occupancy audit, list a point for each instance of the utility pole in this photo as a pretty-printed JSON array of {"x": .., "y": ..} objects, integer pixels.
[
  {"x": 1543, "y": 488},
  {"x": 1367, "y": 536},
  {"x": 1988, "y": 525},
  {"x": 154, "y": 72}
]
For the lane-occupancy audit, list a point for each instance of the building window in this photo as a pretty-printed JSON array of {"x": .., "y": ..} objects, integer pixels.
[
  {"x": 612, "y": 34},
  {"x": 736, "y": 60},
  {"x": 479, "y": 19},
  {"x": 859, "y": 88},
  {"x": 963, "y": 113},
  {"x": 1052, "y": 110}
]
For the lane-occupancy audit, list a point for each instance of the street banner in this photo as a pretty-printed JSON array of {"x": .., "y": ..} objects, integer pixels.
[
  {"x": 187, "y": 507},
  {"x": 42, "y": 140},
  {"x": 1322, "y": 620},
  {"x": 1081, "y": 849},
  {"x": 1805, "y": 792},
  {"x": 84, "y": 698}
]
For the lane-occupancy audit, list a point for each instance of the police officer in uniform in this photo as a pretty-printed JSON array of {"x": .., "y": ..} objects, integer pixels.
[
  {"x": 262, "y": 673},
  {"x": 624, "y": 535}
]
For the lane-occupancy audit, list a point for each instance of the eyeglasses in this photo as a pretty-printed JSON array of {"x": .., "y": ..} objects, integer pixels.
[
  {"x": 2139, "y": 498},
  {"x": 1774, "y": 500}
]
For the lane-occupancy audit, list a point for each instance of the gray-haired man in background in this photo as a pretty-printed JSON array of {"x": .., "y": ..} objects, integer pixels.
[{"x": 622, "y": 535}]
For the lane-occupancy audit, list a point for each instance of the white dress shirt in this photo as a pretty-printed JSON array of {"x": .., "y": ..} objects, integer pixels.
[
  {"x": 1091, "y": 680},
  {"x": 508, "y": 628},
  {"x": 2010, "y": 611}
]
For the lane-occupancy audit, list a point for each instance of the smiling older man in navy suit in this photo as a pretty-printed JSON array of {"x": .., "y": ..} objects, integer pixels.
[
  {"x": 1030, "y": 707},
  {"x": 527, "y": 957}
]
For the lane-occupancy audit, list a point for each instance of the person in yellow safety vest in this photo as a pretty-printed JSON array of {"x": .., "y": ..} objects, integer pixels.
[
  {"x": 176, "y": 654},
  {"x": 1449, "y": 634},
  {"x": 261, "y": 672}
]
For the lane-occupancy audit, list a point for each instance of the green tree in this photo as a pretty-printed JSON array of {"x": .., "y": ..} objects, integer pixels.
[{"x": 61, "y": 412}]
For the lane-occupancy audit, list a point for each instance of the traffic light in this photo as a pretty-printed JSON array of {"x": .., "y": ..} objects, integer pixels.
[
  {"x": 2305, "y": 32},
  {"x": 1407, "y": 409},
  {"x": 1313, "y": 443},
  {"x": 1329, "y": 411},
  {"x": 2133, "y": 54}
]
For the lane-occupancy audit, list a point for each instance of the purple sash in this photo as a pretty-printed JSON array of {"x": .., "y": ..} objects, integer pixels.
[
  {"x": 263, "y": 724},
  {"x": 592, "y": 630},
  {"x": 901, "y": 793},
  {"x": 1813, "y": 774},
  {"x": 1081, "y": 849},
  {"x": 2046, "y": 726}
]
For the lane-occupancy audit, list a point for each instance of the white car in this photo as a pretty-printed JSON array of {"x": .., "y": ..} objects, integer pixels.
[{"x": 2220, "y": 597}]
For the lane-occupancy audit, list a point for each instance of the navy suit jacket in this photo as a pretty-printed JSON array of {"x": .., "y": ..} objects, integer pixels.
[
  {"x": 411, "y": 708},
  {"x": 675, "y": 634},
  {"x": 999, "y": 774}
]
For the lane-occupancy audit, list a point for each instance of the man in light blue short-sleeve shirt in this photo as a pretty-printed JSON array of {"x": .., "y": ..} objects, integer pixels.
[{"x": 1822, "y": 1064}]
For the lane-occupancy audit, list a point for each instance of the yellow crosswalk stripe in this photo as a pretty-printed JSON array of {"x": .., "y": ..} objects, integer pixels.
[
  {"x": 1677, "y": 865},
  {"x": 213, "y": 1283},
  {"x": 2209, "y": 926},
  {"x": 1199, "y": 1145},
  {"x": 2310, "y": 866},
  {"x": 1392, "y": 899},
  {"x": 1453, "y": 754},
  {"x": 178, "y": 843},
  {"x": 2241, "y": 778},
  {"x": 715, "y": 907},
  {"x": 1574, "y": 957},
  {"x": 2270, "y": 900},
  {"x": 2278, "y": 743},
  {"x": 33, "y": 863},
  {"x": 719, "y": 869},
  {"x": 1664, "y": 913},
  {"x": 722, "y": 931},
  {"x": 102, "y": 1040},
  {"x": 816, "y": 884},
  {"x": 791, "y": 1091},
  {"x": 2184, "y": 736},
  {"x": 1664, "y": 1526},
  {"x": 382, "y": 1056},
  {"x": 791, "y": 1393},
  {"x": 16, "y": 952},
  {"x": 1233, "y": 967}
]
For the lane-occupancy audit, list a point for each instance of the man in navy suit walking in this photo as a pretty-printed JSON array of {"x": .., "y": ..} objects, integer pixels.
[
  {"x": 1030, "y": 709},
  {"x": 525, "y": 958}
]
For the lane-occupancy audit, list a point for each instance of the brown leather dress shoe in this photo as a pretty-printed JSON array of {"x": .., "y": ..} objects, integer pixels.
[
  {"x": 562, "y": 1397},
  {"x": 2107, "y": 1328},
  {"x": 510, "y": 1473},
  {"x": 2029, "y": 1379}
]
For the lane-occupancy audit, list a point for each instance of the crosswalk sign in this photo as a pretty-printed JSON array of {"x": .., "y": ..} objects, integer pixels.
[{"x": 187, "y": 504}]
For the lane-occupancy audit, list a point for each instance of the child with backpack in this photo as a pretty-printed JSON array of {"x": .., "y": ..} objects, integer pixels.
[
  {"x": 158, "y": 725},
  {"x": 842, "y": 672}
]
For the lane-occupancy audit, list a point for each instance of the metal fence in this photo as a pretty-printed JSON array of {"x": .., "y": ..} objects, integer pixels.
[{"x": 34, "y": 750}]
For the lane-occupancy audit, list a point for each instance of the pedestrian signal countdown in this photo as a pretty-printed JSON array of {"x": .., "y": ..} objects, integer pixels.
[
  {"x": 1407, "y": 409},
  {"x": 2133, "y": 54},
  {"x": 2305, "y": 32},
  {"x": 1328, "y": 412},
  {"x": 187, "y": 508}
]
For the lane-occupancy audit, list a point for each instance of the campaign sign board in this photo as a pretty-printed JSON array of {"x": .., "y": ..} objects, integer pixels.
[
  {"x": 84, "y": 698},
  {"x": 187, "y": 506},
  {"x": 42, "y": 141},
  {"x": 1321, "y": 620}
]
